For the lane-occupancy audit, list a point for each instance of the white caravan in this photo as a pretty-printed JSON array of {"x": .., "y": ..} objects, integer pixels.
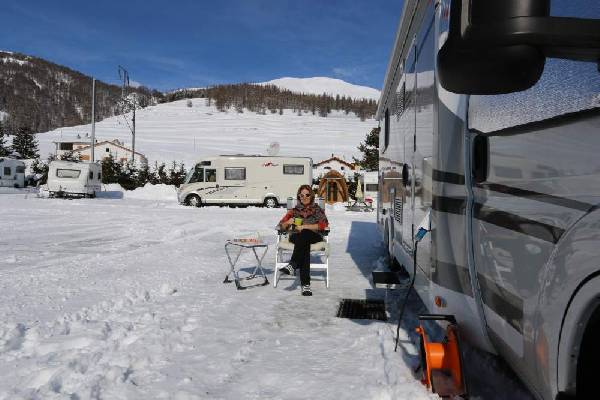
[
  {"x": 66, "y": 178},
  {"x": 242, "y": 179},
  {"x": 12, "y": 173},
  {"x": 370, "y": 185}
]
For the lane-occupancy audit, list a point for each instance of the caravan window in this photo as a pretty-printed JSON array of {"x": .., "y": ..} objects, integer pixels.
[
  {"x": 6, "y": 171},
  {"x": 91, "y": 175},
  {"x": 20, "y": 169},
  {"x": 235, "y": 174},
  {"x": 68, "y": 173},
  {"x": 371, "y": 187},
  {"x": 99, "y": 175},
  {"x": 289, "y": 169}
]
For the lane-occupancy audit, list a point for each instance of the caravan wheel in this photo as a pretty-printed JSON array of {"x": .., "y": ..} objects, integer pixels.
[
  {"x": 271, "y": 202},
  {"x": 193, "y": 200}
]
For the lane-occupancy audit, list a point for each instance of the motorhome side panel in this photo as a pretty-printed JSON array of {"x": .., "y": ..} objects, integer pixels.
[
  {"x": 534, "y": 209},
  {"x": 426, "y": 140}
]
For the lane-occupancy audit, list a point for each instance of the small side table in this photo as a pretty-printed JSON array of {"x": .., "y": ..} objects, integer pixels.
[{"x": 240, "y": 246}]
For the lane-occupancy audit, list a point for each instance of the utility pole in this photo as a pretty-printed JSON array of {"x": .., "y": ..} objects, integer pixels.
[
  {"x": 124, "y": 75},
  {"x": 92, "y": 145}
]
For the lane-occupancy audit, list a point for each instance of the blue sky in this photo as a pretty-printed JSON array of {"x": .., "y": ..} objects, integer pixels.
[{"x": 185, "y": 43}]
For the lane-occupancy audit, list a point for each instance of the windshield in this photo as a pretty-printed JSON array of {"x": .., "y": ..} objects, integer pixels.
[{"x": 195, "y": 175}]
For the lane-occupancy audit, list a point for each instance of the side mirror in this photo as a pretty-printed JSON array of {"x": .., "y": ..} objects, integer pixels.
[{"x": 500, "y": 46}]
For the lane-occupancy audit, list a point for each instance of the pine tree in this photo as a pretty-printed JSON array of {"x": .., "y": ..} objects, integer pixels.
[
  {"x": 370, "y": 150},
  {"x": 143, "y": 176},
  {"x": 4, "y": 148},
  {"x": 110, "y": 170},
  {"x": 25, "y": 143}
]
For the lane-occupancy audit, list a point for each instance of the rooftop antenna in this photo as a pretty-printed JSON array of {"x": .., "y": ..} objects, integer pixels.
[{"x": 124, "y": 76}]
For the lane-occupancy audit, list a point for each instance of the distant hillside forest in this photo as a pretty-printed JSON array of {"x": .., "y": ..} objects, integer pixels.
[
  {"x": 39, "y": 95},
  {"x": 269, "y": 98}
]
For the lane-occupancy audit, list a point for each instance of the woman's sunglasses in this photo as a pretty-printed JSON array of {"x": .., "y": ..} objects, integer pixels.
[{"x": 305, "y": 195}]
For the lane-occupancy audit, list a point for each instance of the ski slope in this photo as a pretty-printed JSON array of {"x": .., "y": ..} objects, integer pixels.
[
  {"x": 122, "y": 297},
  {"x": 330, "y": 86},
  {"x": 175, "y": 132}
]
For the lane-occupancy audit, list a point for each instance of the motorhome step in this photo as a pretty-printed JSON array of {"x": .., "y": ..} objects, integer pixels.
[
  {"x": 385, "y": 278},
  {"x": 362, "y": 309}
]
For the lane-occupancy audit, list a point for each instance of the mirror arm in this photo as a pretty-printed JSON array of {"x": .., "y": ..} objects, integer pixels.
[{"x": 562, "y": 37}]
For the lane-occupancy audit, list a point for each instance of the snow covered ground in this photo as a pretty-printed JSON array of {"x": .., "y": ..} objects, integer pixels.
[
  {"x": 121, "y": 297},
  {"x": 175, "y": 132}
]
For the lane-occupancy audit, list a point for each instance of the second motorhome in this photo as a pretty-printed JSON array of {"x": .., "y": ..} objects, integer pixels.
[{"x": 245, "y": 180}]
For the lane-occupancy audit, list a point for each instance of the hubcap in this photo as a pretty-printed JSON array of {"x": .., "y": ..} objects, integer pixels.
[
  {"x": 270, "y": 203},
  {"x": 194, "y": 201}
]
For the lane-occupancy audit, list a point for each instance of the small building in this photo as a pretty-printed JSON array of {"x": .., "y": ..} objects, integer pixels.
[
  {"x": 333, "y": 188},
  {"x": 80, "y": 146},
  {"x": 67, "y": 146},
  {"x": 334, "y": 164},
  {"x": 113, "y": 148}
]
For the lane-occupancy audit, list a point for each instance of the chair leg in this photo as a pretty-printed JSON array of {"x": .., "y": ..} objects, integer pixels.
[
  {"x": 275, "y": 273},
  {"x": 327, "y": 272}
]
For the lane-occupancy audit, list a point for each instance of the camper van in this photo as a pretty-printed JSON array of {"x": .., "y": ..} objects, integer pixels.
[
  {"x": 490, "y": 140},
  {"x": 66, "y": 178},
  {"x": 244, "y": 180},
  {"x": 12, "y": 173}
]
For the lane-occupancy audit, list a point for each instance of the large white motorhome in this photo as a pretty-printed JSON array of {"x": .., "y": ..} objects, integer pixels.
[
  {"x": 490, "y": 117},
  {"x": 66, "y": 178},
  {"x": 244, "y": 180},
  {"x": 12, "y": 173}
]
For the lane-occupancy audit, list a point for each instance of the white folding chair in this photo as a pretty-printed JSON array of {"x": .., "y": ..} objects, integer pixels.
[{"x": 285, "y": 248}]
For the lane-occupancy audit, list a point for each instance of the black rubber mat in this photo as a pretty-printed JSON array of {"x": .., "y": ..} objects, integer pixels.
[{"x": 362, "y": 309}]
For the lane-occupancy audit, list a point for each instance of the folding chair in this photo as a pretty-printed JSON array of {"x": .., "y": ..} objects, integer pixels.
[{"x": 285, "y": 248}]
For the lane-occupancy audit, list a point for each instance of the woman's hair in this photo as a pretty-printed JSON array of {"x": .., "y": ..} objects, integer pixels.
[{"x": 306, "y": 187}]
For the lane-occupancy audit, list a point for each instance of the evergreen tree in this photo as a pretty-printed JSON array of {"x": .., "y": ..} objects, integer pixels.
[
  {"x": 111, "y": 170},
  {"x": 40, "y": 169},
  {"x": 370, "y": 150},
  {"x": 4, "y": 148},
  {"x": 177, "y": 174},
  {"x": 25, "y": 143},
  {"x": 127, "y": 176},
  {"x": 143, "y": 176}
]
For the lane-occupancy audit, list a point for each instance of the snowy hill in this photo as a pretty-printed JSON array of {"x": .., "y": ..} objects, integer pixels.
[
  {"x": 174, "y": 131},
  {"x": 320, "y": 85}
]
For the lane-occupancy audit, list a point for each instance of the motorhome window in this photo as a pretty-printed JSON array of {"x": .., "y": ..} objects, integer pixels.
[
  {"x": 235, "y": 174},
  {"x": 99, "y": 176},
  {"x": 107, "y": 150},
  {"x": 196, "y": 175},
  {"x": 205, "y": 163},
  {"x": 371, "y": 187},
  {"x": 68, "y": 173},
  {"x": 6, "y": 171},
  {"x": 91, "y": 175},
  {"x": 20, "y": 169},
  {"x": 565, "y": 87},
  {"x": 289, "y": 169},
  {"x": 211, "y": 175},
  {"x": 66, "y": 146}
]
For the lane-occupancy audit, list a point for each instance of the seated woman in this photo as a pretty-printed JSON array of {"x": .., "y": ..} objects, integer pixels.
[{"x": 310, "y": 219}]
